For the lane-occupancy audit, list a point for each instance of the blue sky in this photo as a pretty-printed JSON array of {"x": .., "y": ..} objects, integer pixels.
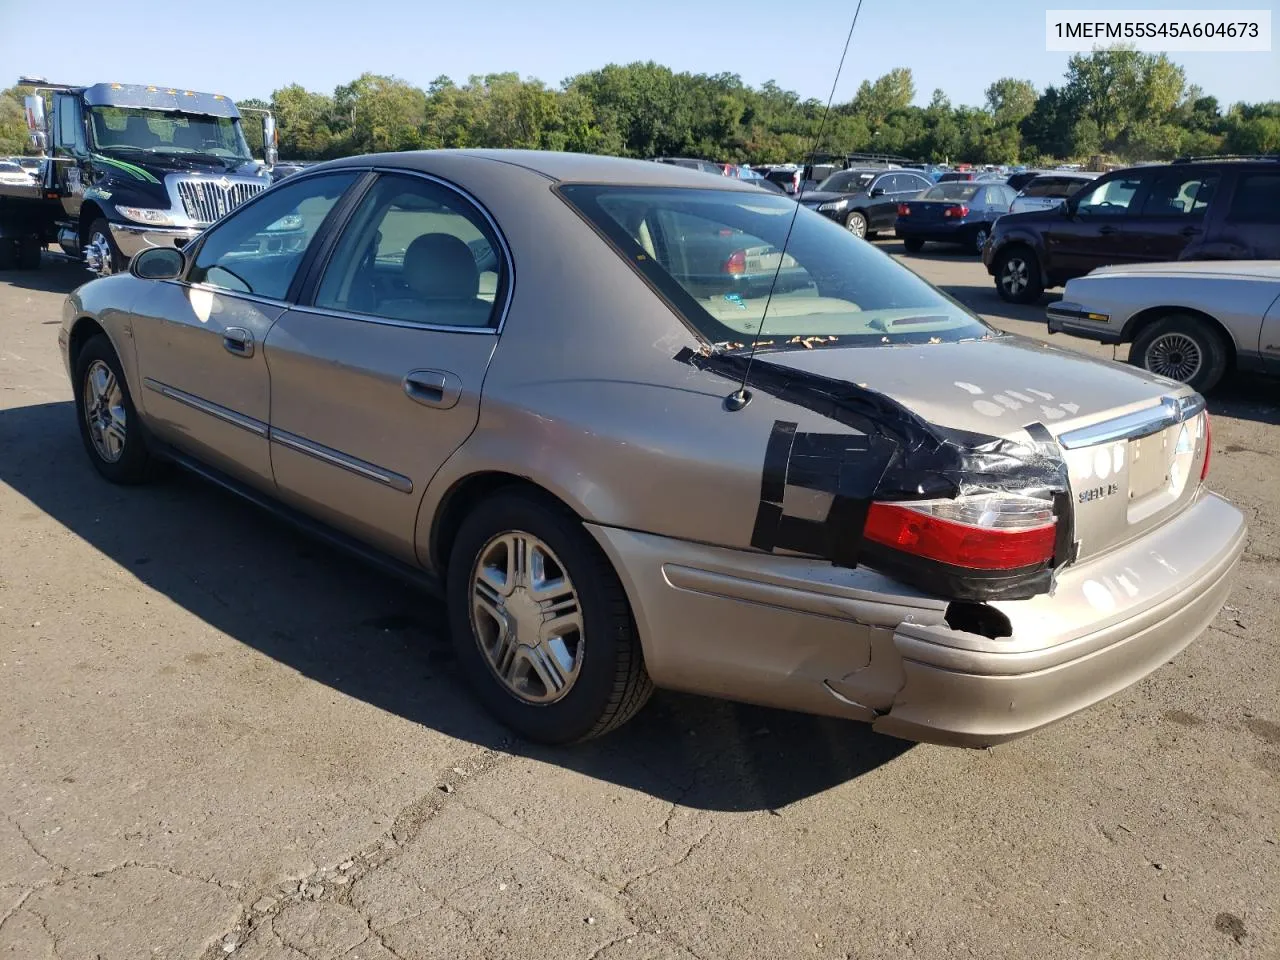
[{"x": 322, "y": 43}]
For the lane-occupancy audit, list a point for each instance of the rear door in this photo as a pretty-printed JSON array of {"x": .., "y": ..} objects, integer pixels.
[
  {"x": 1250, "y": 228},
  {"x": 376, "y": 375},
  {"x": 1173, "y": 212}
]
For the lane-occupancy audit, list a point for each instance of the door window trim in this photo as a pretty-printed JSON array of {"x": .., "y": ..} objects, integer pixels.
[{"x": 305, "y": 302}]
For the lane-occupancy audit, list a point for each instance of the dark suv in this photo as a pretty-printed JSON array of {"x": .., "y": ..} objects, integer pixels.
[
  {"x": 1198, "y": 208},
  {"x": 865, "y": 199}
]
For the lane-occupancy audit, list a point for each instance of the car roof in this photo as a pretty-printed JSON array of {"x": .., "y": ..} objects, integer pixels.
[{"x": 558, "y": 166}]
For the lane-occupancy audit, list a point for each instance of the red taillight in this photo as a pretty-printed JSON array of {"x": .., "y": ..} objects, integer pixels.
[
  {"x": 923, "y": 534},
  {"x": 1208, "y": 447},
  {"x": 956, "y": 211},
  {"x": 737, "y": 262},
  {"x": 904, "y": 210}
]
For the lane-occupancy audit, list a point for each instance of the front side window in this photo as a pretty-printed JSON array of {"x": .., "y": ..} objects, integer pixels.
[
  {"x": 1176, "y": 194},
  {"x": 714, "y": 255},
  {"x": 1257, "y": 199},
  {"x": 419, "y": 252},
  {"x": 1110, "y": 198},
  {"x": 257, "y": 249},
  {"x": 846, "y": 181}
]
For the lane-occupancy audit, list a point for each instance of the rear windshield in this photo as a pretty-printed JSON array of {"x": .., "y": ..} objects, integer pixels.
[
  {"x": 951, "y": 191},
  {"x": 846, "y": 181},
  {"x": 713, "y": 254}
]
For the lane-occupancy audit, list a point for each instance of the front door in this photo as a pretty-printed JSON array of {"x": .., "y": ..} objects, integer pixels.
[
  {"x": 376, "y": 377},
  {"x": 1094, "y": 228},
  {"x": 199, "y": 341}
]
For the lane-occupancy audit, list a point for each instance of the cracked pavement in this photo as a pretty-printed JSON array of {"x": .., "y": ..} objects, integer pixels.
[{"x": 220, "y": 739}]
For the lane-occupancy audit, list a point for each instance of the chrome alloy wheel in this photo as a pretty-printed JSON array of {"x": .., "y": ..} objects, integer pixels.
[
  {"x": 980, "y": 240},
  {"x": 1174, "y": 355},
  {"x": 104, "y": 411},
  {"x": 857, "y": 225},
  {"x": 97, "y": 254},
  {"x": 1016, "y": 275},
  {"x": 526, "y": 617}
]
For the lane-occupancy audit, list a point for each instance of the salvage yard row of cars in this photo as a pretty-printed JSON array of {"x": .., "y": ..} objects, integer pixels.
[{"x": 776, "y": 466}]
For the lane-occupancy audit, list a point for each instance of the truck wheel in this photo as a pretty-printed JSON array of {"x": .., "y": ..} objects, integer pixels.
[
  {"x": 1018, "y": 275},
  {"x": 1184, "y": 348},
  {"x": 29, "y": 254},
  {"x": 101, "y": 254},
  {"x": 541, "y": 625},
  {"x": 913, "y": 244}
]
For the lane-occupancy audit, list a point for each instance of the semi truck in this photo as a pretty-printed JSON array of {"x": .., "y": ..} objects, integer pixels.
[{"x": 129, "y": 166}]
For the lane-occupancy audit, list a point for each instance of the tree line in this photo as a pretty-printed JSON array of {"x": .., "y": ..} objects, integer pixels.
[{"x": 1117, "y": 102}]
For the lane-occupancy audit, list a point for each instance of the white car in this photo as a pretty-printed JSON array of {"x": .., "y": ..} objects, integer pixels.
[
  {"x": 1049, "y": 190},
  {"x": 14, "y": 175},
  {"x": 1193, "y": 321}
]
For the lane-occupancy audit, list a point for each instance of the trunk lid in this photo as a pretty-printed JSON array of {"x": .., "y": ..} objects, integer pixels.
[
  {"x": 930, "y": 209},
  {"x": 1133, "y": 443}
]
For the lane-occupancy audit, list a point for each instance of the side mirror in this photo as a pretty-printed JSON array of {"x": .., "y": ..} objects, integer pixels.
[
  {"x": 33, "y": 108},
  {"x": 270, "y": 153},
  {"x": 159, "y": 263},
  {"x": 877, "y": 191}
]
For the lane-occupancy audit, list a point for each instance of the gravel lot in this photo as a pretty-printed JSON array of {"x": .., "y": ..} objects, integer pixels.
[{"x": 220, "y": 738}]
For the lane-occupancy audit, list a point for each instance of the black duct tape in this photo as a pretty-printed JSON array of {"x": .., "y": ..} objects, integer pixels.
[{"x": 899, "y": 456}]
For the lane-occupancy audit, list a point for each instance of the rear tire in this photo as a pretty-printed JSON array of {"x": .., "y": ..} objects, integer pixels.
[
  {"x": 913, "y": 244},
  {"x": 1185, "y": 348},
  {"x": 1018, "y": 277},
  {"x": 29, "y": 254},
  {"x": 109, "y": 426},
  {"x": 496, "y": 607},
  {"x": 978, "y": 239}
]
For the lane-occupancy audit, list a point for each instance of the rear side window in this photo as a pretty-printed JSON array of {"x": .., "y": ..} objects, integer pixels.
[
  {"x": 1257, "y": 199},
  {"x": 1175, "y": 194},
  {"x": 714, "y": 254},
  {"x": 415, "y": 251}
]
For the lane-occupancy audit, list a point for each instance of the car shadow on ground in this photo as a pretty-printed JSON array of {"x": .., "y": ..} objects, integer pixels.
[
  {"x": 334, "y": 620},
  {"x": 57, "y": 274}
]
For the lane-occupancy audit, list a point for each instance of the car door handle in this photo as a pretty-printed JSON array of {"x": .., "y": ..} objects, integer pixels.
[
  {"x": 433, "y": 388},
  {"x": 238, "y": 340},
  {"x": 1106, "y": 231}
]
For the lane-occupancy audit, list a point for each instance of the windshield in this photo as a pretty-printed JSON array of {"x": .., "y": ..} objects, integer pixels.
[
  {"x": 846, "y": 181},
  {"x": 951, "y": 191},
  {"x": 714, "y": 253},
  {"x": 154, "y": 131}
]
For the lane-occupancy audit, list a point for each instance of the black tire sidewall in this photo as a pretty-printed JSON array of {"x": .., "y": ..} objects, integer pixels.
[
  {"x": 576, "y": 715},
  {"x": 1212, "y": 347},
  {"x": 134, "y": 463},
  {"x": 1035, "y": 287},
  {"x": 912, "y": 245}
]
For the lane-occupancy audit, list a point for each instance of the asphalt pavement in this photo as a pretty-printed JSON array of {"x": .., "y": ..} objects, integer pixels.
[{"x": 221, "y": 739}]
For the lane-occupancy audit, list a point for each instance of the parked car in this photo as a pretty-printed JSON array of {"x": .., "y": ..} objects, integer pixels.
[
  {"x": 689, "y": 163},
  {"x": 1019, "y": 179},
  {"x": 11, "y": 173},
  {"x": 32, "y": 165},
  {"x": 954, "y": 176},
  {"x": 958, "y": 213},
  {"x": 952, "y": 541},
  {"x": 1198, "y": 209},
  {"x": 795, "y": 179},
  {"x": 1193, "y": 321},
  {"x": 865, "y": 200},
  {"x": 1049, "y": 190}
]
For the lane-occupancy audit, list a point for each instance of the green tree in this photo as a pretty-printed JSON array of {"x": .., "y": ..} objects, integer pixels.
[{"x": 1010, "y": 101}]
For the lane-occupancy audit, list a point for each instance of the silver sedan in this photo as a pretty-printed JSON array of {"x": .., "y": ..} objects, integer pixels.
[{"x": 642, "y": 428}]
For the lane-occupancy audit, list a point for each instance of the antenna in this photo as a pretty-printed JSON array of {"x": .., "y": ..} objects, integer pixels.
[{"x": 740, "y": 397}]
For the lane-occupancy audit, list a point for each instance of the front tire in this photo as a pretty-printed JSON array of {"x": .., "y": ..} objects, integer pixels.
[
  {"x": 109, "y": 425},
  {"x": 1018, "y": 277},
  {"x": 978, "y": 240},
  {"x": 540, "y": 623},
  {"x": 1184, "y": 348},
  {"x": 856, "y": 223},
  {"x": 101, "y": 254}
]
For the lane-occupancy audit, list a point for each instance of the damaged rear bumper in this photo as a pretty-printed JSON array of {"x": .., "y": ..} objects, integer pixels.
[{"x": 804, "y": 635}]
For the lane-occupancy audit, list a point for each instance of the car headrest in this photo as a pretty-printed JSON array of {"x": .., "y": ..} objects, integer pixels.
[{"x": 439, "y": 266}]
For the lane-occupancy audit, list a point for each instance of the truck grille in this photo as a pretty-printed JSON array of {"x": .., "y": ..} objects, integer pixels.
[{"x": 204, "y": 201}]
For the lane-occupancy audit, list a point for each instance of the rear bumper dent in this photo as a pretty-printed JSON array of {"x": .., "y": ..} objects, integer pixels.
[{"x": 802, "y": 635}]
